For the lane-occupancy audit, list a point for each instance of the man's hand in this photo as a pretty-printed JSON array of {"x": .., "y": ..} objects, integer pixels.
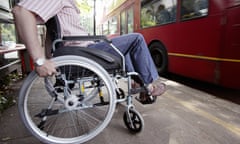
[{"x": 47, "y": 69}]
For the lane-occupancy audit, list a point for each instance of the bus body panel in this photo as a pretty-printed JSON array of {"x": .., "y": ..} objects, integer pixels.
[
  {"x": 230, "y": 70},
  {"x": 205, "y": 48},
  {"x": 186, "y": 46},
  {"x": 203, "y": 57}
]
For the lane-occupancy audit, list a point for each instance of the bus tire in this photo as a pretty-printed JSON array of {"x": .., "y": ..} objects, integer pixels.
[{"x": 159, "y": 56}]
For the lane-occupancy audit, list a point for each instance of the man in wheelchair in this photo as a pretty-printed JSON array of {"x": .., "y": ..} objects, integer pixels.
[{"x": 28, "y": 13}]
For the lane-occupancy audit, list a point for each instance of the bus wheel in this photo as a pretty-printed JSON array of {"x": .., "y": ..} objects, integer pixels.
[{"x": 159, "y": 55}]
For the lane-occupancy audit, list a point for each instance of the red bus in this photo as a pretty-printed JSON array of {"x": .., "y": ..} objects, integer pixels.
[{"x": 199, "y": 39}]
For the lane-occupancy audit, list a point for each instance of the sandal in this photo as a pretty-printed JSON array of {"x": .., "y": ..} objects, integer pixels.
[
  {"x": 145, "y": 98},
  {"x": 157, "y": 88}
]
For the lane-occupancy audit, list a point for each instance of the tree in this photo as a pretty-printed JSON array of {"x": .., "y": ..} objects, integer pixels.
[
  {"x": 87, "y": 12},
  {"x": 7, "y": 32}
]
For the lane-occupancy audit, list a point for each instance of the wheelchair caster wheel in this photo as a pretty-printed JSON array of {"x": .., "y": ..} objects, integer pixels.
[{"x": 133, "y": 121}]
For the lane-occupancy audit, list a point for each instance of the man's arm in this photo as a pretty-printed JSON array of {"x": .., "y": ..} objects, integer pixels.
[{"x": 26, "y": 26}]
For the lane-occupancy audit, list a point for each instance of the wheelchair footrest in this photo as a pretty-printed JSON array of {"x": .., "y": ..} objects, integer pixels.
[{"x": 148, "y": 100}]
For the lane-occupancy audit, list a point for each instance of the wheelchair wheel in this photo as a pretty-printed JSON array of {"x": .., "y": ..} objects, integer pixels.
[
  {"x": 76, "y": 109},
  {"x": 133, "y": 121}
]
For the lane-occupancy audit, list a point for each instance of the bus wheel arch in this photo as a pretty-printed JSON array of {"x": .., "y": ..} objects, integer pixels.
[{"x": 160, "y": 57}]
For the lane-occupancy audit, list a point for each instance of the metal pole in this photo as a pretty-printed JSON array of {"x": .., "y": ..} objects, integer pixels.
[{"x": 94, "y": 17}]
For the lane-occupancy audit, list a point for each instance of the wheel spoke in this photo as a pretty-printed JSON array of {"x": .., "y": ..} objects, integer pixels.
[{"x": 70, "y": 116}]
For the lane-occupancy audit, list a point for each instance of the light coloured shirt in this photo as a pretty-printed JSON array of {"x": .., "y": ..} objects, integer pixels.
[{"x": 66, "y": 10}]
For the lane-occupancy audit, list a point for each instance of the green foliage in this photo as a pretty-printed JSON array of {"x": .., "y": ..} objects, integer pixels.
[
  {"x": 8, "y": 32},
  {"x": 5, "y": 102},
  {"x": 6, "y": 97},
  {"x": 86, "y": 9},
  {"x": 84, "y": 6}
]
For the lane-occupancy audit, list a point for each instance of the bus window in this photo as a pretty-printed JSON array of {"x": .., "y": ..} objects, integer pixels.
[
  {"x": 105, "y": 28},
  {"x": 130, "y": 20},
  {"x": 127, "y": 21},
  {"x": 157, "y": 12},
  {"x": 193, "y": 9},
  {"x": 113, "y": 25},
  {"x": 123, "y": 28},
  {"x": 147, "y": 17}
]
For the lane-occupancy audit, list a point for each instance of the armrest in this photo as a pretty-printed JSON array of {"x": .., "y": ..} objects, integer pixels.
[{"x": 86, "y": 38}]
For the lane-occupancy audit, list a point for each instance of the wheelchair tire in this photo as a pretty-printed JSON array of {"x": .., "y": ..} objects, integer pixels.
[
  {"x": 133, "y": 121},
  {"x": 55, "y": 118}
]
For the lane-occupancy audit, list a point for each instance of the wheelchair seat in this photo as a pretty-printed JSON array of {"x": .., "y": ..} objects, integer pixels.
[{"x": 107, "y": 60}]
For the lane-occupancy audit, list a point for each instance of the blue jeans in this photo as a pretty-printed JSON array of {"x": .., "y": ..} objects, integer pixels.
[{"x": 137, "y": 55}]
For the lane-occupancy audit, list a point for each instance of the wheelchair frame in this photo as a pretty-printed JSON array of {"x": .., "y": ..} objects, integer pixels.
[{"x": 73, "y": 103}]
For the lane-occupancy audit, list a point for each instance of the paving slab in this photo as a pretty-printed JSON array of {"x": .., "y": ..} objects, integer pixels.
[{"x": 183, "y": 115}]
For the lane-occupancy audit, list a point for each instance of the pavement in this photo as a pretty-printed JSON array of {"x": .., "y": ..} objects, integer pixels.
[{"x": 182, "y": 115}]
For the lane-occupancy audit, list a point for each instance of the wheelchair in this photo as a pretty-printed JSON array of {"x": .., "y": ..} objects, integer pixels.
[{"x": 77, "y": 103}]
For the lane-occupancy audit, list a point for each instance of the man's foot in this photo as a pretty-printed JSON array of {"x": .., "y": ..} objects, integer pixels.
[
  {"x": 157, "y": 88},
  {"x": 144, "y": 98}
]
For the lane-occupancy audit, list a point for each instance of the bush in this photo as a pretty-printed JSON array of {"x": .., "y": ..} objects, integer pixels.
[
  {"x": 5, "y": 102},
  {"x": 6, "y": 95}
]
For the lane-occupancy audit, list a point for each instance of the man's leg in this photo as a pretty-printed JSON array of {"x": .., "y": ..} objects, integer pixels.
[{"x": 137, "y": 55}]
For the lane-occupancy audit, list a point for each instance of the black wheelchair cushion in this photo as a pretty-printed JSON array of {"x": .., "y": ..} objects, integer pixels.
[{"x": 106, "y": 60}]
